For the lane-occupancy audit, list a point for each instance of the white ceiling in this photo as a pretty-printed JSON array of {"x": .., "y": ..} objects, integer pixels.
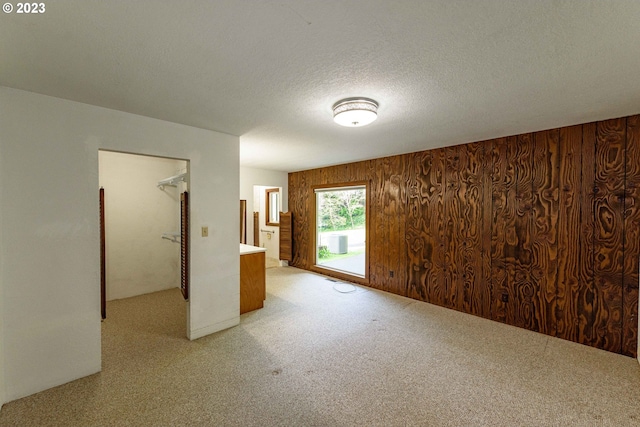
[{"x": 444, "y": 72}]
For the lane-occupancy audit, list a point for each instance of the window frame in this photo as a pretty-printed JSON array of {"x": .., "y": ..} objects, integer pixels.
[
  {"x": 319, "y": 268},
  {"x": 267, "y": 214}
]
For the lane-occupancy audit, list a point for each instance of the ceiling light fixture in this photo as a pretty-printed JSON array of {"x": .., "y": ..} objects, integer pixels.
[{"x": 355, "y": 112}]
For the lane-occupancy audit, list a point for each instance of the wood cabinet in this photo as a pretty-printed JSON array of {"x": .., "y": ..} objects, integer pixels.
[{"x": 253, "y": 290}]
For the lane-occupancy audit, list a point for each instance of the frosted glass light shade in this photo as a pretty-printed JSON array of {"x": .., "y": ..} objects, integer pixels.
[{"x": 355, "y": 112}]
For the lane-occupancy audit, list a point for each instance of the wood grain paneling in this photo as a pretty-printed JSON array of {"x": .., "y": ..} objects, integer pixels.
[
  {"x": 395, "y": 213},
  {"x": 452, "y": 275},
  {"x": 538, "y": 230},
  {"x": 569, "y": 237},
  {"x": 608, "y": 231},
  {"x": 418, "y": 250},
  {"x": 526, "y": 289},
  {"x": 544, "y": 233},
  {"x": 471, "y": 224},
  {"x": 425, "y": 227},
  {"x": 632, "y": 238},
  {"x": 588, "y": 297},
  {"x": 484, "y": 289},
  {"x": 502, "y": 181},
  {"x": 376, "y": 219}
]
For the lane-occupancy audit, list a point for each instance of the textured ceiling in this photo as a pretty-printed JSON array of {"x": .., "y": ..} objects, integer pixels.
[{"x": 444, "y": 72}]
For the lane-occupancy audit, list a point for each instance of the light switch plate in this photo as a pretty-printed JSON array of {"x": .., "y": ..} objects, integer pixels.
[{"x": 205, "y": 231}]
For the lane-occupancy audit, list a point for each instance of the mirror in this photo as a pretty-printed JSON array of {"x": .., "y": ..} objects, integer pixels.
[{"x": 273, "y": 206}]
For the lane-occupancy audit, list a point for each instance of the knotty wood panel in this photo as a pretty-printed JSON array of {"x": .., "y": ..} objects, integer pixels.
[
  {"x": 502, "y": 218},
  {"x": 425, "y": 227},
  {"x": 526, "y": 290},
  {"x": 569, "y": 236},
  {"x": 632, "y": 238},
  {"x": 538, "y": 230},
  {"x": 471, "y": 224},
  {"x": 299, "y": 208},
  {"x": 588, "y": 297},
  {"x": 452, "y": 228},
  {"x": 377, "y": 226},
  {"x": 484, "y": 294},
  {"x": 512, "y": 306},
  {"x": 418, "y": 252},
  {"x": 544, "y": 234},
  {"x": 433, "y": 214},
  {"x": 378, "y": 278},
  {"x": 394, "y": 213},
  {"x": 608, "y": 236},
  {"x": 384, "y": 227}
]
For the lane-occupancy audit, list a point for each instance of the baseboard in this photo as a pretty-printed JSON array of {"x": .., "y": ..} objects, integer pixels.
[{"x": 208, "y": 330}]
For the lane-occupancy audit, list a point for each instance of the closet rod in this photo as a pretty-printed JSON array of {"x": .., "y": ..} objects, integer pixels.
[
  {"x": 172, "y": 181},
  {"x": 174, "y": 237}
]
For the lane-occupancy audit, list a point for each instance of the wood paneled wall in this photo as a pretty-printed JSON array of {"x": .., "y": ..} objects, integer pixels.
[{"x": 539, "y": 230}]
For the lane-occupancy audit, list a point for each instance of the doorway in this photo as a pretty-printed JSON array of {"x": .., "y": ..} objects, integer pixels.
[
  {"x": 267, "y": 204},
  {"x": 341, "y": 229},
  {"x": 142, "y": 219}
]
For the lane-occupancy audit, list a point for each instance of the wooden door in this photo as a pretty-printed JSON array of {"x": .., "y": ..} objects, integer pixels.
[{"x": 286, "y": 236}]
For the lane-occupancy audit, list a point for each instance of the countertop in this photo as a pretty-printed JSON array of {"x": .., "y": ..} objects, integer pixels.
[{"x": 248, "y": 249}]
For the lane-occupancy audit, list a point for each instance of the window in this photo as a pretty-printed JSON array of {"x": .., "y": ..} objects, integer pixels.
[
  {"x": 273, "y": 206},
  {"x": 341, "y": 229}
]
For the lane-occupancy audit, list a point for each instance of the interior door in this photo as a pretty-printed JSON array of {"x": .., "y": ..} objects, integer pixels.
[{"x": 286, "y": 236}]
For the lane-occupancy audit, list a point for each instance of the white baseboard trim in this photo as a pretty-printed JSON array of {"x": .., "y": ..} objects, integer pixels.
[{"x": 208, "y": 330}]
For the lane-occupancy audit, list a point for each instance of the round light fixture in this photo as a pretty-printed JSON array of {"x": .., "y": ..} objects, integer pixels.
[{"x": 355, "y": 112}]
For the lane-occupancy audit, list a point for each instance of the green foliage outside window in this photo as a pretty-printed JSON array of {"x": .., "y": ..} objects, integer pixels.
[{"x": 342, "y": 210}]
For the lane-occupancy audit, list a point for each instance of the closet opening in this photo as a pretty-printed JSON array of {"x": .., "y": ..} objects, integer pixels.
[{"x": 144, "y": 245}]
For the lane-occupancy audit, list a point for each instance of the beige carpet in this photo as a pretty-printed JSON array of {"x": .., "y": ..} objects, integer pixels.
[{"x": 318, "y": 357}]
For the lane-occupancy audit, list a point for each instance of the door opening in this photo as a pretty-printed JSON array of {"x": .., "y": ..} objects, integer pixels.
[
  {"x": 341, "y": 229},
  {"x": 267, "y": 204},
  {"x": 144, "y": 238}
]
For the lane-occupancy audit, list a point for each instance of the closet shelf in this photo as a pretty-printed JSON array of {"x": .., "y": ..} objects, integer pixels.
[
  {"x": 174, "y": 237},
  {"x": 172, "y": 181}
]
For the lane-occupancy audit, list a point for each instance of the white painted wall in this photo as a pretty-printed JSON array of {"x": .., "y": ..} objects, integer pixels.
[
  {"x": 249, "y": 177},
  {"x": 50, "y": 230},
  {"x": 137, "y": 212}
]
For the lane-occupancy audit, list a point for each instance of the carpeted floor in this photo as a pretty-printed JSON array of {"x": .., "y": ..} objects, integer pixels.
[{"x": 318, "y": 357}]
